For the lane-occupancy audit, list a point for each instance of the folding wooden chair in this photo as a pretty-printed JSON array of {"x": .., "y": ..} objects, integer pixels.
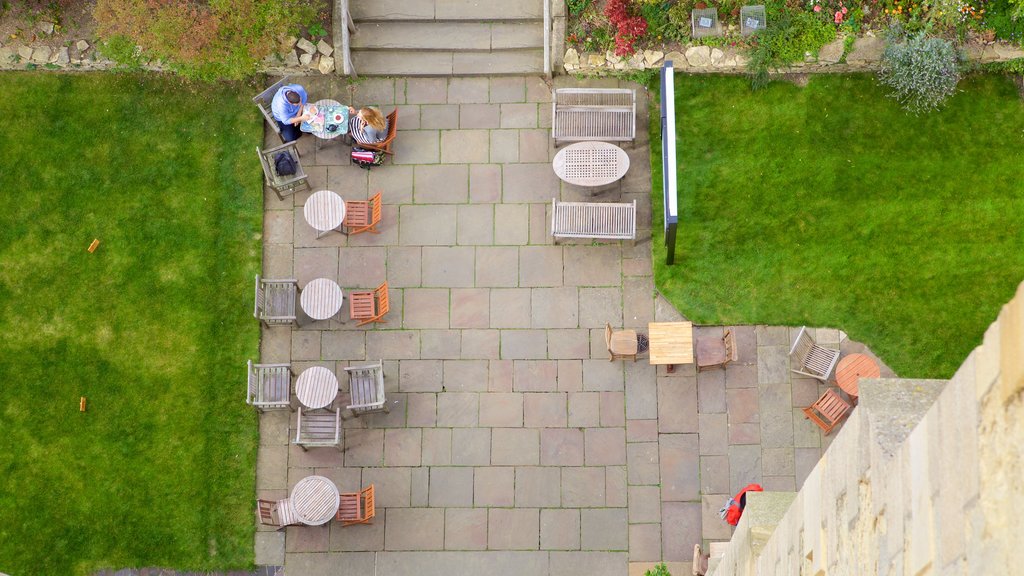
[
  {"x": 370, "y": 305},
  {"x": 362, "y": 216},
  {"x": 276, "y": 513},
  {"x": 828, "y": 410},
  {"x": 385, "y": 144},
  {"x": 356, "y": 507},
  {"x": 620, "y": 344},
  {"x": 713, "y": 352}
]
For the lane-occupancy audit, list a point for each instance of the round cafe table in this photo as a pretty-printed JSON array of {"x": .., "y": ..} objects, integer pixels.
[
  {"x": 852, "y": 368},
  {"x": 315, "y": 500},
  {"x": 329, "y": 113},
  {"x": 321, "y": 298},
  {"x": 316, "y": 387},
  {"x": 324, "y": 211}
]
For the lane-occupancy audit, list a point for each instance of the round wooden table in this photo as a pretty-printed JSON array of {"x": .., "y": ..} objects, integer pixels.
[
  {"x": 315, "y": 500},
  {"x": 852, "y": 368},
  {"x": 324, "y": 211},
  {"x": 590, "y": 163},
  {"x": 321, "y": 298},
  {"x": 316, "y": 387}
]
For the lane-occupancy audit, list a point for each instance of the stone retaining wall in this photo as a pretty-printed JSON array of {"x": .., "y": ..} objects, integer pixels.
[{"x": 864, "y": 55}]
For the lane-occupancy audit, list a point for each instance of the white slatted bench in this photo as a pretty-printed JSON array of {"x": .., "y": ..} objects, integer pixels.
[
  {"x": 602, "y": 220},
  {"x": 606, "y": 114}
]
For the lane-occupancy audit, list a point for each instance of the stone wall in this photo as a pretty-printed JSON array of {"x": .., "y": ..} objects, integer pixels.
[
  {"x": 864, "y": 55},
  {"x": 924, "y": 478}
]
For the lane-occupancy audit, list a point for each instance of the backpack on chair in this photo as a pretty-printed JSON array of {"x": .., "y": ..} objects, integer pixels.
[
  {"x": 366, "y": 158},
  {"x": 284, "y": 164}
]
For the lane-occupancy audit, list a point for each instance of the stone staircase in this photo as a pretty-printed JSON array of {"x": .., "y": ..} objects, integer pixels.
[{"x": 448, "y": 37}]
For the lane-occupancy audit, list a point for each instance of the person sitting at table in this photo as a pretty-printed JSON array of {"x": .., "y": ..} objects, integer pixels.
[
  {"x": 368, "y": 125},
  {"x": 289, "y": 109}
]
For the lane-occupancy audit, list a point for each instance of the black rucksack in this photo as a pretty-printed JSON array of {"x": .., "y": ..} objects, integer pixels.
[{"x": 284, "y": 164}]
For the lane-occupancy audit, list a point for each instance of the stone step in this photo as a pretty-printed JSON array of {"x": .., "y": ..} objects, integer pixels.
[
  {"x": 447, "y": 9},
  {"x": 448, "y": 35},
  {"x": 447, "y": 63}
]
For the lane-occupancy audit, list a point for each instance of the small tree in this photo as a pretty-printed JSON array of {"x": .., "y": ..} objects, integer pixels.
[
  {"x": 922, "y": 72},
  {"x": 659, "y": 570}
]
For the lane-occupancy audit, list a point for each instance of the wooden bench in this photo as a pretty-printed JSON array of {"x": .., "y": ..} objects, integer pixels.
[
  {"x": 580, "y": 114},
  {"x": 593, "y": 220}
]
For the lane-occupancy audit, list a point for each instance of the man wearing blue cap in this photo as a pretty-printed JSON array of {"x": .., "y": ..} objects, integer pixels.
[{"x": 289, "y": 109}]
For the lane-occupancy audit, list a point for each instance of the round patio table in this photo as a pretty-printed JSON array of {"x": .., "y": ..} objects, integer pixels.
[
  {"x": 316, "y": 387},
  {"x": 321, "y": 298},
  {"x": 852, "y": 368},
  {"x": 324, "y": 211},
  {"x": 315, "y": 500},
  {"x": 590, "y": 163},
  {"x": 329, "y": 113}
]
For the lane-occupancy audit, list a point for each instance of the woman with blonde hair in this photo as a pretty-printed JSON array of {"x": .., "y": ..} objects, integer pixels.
[{"x": 368, "y": 125}]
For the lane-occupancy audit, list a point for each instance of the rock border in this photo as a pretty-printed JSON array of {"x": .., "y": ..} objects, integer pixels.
[{"x": 865, "y": 55}]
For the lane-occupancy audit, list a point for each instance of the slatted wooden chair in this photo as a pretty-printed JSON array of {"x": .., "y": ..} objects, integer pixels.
[
  {"x": 318, "y": 428},
  {"x": 713, "y": 352},
  {"x": 356, "y": 507},
  {"x": 385, "y": 144},
  {"x": 283, "y": 184},
  {"x": 269, "y": 386},
  {"x": 369, "y": 305},
  {"x": 278, "y": 513},
  {"x": 828, "y": 411},
  {"x": 263, "y": 101},
  {"x": 362, "y": 216},
  {"x": 366, "y": 389},
  {"x": 275, "y": 301},
  {"x": 809, "y": 359},
  {"x": 621, "y": 343}
]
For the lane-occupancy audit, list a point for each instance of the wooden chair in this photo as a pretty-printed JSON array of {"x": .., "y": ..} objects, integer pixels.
[
  {"x": 269, "y": 386},
  {"x": 362, "y": 216},
  {"x": 366, "y": 389},
  {"x": 356, "y": 507},
  {"x": 385, "y": 144},
  {"x": 828, "y": 410},
  {"x": 713, "y": 352},
  {"x": 809, "y": 359},
  {"x": 276, "y": 513},
  {"x": 283, "y": 184},
  {"x": 263, "y": 101},
  {"x": 620, "y": 344},
  {"x": 318, "y": 428},
  {"x": 275, "y": 301},
  {"x": 369, "y": 305}
]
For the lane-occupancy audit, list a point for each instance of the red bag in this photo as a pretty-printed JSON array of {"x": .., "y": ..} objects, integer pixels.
[{"x": 733, "y": 509}]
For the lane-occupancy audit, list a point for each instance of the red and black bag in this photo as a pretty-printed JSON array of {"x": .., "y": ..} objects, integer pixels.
[
  {"x": 366, "y": 158},
  {"x": 733, "y": 509}
]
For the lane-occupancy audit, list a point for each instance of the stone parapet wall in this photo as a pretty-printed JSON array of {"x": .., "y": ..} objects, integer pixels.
[
  {"x": 923, "y": 478},
  {"x": 864, "y": 55}
]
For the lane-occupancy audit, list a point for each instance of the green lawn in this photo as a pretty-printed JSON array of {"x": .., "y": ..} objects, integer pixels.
[
  {"x": 830, "y": 206},
  {"x": 154, "y": 327}
]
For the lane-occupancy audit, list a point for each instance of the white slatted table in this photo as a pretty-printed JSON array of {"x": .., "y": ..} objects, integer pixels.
[
  {"x": 590, "y": 163},
  {"x": 316, "y": 387},
  {"x": 315, "y": 500},
  {"x": 321, "y": 298},
  {"x": 324, "y": 211}
]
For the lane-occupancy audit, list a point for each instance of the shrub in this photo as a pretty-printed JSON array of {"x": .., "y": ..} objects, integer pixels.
[
  {"x": 678, "y": 28},
  {"x": 629, "y": 27},
  {"x": 577, "y": 7},
  {"x": 203, "y": 40},
  {"x": 786, "y": 41},
  {"x": 922, "y": 72},
  {"x": 659, "y": 570}
]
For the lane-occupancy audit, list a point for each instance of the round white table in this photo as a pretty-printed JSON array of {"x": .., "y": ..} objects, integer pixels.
[
  {"x": 324, "y": 211},
  {"x": 321, "y": 298},
  {"x": 316, "y": 387},
  {"x": 590, "y": 163},
  {"x": 315, "y": 500}
]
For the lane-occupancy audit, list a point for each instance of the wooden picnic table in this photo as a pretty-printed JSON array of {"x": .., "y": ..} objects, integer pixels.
[
  {"x": 321, "y": 298},
  {"x": 852, "y": 368},
  {"x": 315, "y": 500},
  {"x": 671, "y": 343},
  {"x": 316, "y": 387}
]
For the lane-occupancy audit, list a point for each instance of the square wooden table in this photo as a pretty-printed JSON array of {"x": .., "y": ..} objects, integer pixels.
[{"x": 671, "y": 343}]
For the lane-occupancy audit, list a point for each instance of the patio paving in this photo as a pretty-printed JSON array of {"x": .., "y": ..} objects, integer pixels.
[{"x": 513, "y": 445}]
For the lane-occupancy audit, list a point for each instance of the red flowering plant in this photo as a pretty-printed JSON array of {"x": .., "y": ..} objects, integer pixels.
[{"x": 628, "y": 26}]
